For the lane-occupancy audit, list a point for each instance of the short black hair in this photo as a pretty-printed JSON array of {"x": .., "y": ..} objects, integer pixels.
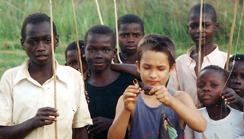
[
  {"x": 101, "y": 29},
  {"x": 130, "y": 18},
  {"x": 224, "y": 74},
  {"x": 73, "y": 46},
  {"x": 207, "y": 9},
  {"x": 35, "y": 19},
  {"x": 237, "y": 57},
  {"x": 157, "y": 43}
]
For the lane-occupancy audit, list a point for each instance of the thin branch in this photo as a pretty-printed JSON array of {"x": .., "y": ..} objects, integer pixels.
[{"x": 54, "y": 67}]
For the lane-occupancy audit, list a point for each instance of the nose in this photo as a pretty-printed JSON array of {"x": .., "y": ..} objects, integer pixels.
[
  {"x": 153, "y": 74},
  {"x": 206, "y": 88},
  {"x": 77, "y": 66},
  {"x": 236, "y": 81},
  {"x": 98, "y": 54},
  {"x": 131, "y": 38},
  {"x": 41, "y": 46}
]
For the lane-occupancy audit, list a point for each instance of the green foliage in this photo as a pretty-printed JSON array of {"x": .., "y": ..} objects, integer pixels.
[{"x": 167, "y": 17}]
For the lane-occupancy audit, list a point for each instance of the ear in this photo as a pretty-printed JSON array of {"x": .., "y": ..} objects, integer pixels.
[
  {"x": 22, "y": 43},
  {"x": 187, "y": 26},
  {"x": 171, "y": 69},
  {"x": 138, "y": 66},
  {"x": 56, "y": 41},
  {"x": 216, "y": 28},
  {"x": 115, "y": 51}
]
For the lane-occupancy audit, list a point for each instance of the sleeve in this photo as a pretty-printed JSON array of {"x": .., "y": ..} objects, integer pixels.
[
  {"x": 6, "y": 103},
  {"x": 82, "y": 116},
  {"x": 189, "y": 133},
  {"x": 173, "y": 81}
]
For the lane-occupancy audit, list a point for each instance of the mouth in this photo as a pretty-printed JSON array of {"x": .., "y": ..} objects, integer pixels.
[
  {"x": 131, "y": 47},
  {"x": 197, "y": 38},
  {"x": 98, "y": 63},
  {"x": 41, "y": 57},
  {"x": 153, "y": 82},
  {"x": 206, "y": 96},
  {"x": 237, "y": 89}
]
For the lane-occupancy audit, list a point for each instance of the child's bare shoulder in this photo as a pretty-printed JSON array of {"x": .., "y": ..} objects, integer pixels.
[{"x": 184, "y": 97}]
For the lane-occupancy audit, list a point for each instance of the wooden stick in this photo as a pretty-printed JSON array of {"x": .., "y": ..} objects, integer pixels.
[
  {"x": 117, "y": 31},
  {"x": 200, "y": 40},
  {"x": 99, "y": 13},
  {"x": 231, "y": 35},
  {"x": 77, "y": 39},
  {"x": 54, "y": 67},
  {"x": 200, "y": 46}
]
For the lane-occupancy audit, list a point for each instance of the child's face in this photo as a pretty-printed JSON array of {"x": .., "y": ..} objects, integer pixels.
[
  {"x": 154, "y": 68},
  {"x": 72, "y": 60},
  {"x": 129, "y": 36},
  {"x": 237, "y": 77},
  {"x": 208, "y": 28},
  {"x": 99, "y": 51},
  {"x": 209, "y": 86},
  {"x": 37, "y": 44}
]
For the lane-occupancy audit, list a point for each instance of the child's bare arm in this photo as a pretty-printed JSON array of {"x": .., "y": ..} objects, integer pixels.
[
  {"x": 20, "y": 131},
  {"x": 233, "y": 99},
  {"x": 183, "y": 105},
  {"x": 127, "y": 68},
  {"x": 124, "y": 108}
]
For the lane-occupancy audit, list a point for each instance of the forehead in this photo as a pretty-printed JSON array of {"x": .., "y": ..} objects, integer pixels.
[
  {"x": 195, "y": 17},
  {"x": 99, "y": 39},
  {"x": 39, "y": 29},
  {"x": 239, "y": 65},
  {"x": 210, "y": 74},
  {"x": 130, "y": 26},
  {"x": 153, "y": 57}
]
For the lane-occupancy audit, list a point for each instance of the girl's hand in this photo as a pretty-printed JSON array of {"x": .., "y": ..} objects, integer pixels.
[
  {"x": 130, "y": 96},
  {"x": 162, "y": 94}
]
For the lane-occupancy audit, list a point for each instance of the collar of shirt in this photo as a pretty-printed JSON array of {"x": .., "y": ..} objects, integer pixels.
[
  {"x": 210, "y": 57},
  {"x": 24, "y": 74}
]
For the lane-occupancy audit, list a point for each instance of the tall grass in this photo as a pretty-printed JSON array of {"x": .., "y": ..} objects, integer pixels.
[{"x": 167, "y": 17}]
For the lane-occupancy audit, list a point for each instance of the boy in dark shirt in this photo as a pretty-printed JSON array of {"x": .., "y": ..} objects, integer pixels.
[
  {"x": 104, "y": 86},
  {"x": 131, "y": 31}
]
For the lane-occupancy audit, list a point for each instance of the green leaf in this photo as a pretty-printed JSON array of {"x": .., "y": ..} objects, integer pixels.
[{"x": 172, "y": 132}]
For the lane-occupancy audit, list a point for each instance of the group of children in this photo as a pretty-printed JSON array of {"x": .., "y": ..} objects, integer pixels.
[{"x": 118, "y": 106}]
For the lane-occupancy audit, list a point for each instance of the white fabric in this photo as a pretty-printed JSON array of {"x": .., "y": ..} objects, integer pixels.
[
  {"x": 21, "y": 96},
  {"x": 184, "y": 78},
  {"x": 228, "y": 128}
]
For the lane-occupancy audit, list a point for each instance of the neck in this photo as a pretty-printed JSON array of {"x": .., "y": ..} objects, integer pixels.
[
  {"x": 35, "y": 68},
  {"x": 205, "y": 49},
  {"x": 102, "y": 78},
  {"x": 128, "y": 58},
  {"x": 218, "y": 111}
]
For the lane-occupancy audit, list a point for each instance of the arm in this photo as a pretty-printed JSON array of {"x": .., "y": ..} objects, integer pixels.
[
  {"x": 80, "y": 133},
  {"x": 100, "y": 124},
  {"x": 183, "y": 105},
  {"x": 22, "y": 130},
  {"x": 127, "y": 68},
  {"x": 124, "y": 109},
  {"x": 233, "y": 99}
]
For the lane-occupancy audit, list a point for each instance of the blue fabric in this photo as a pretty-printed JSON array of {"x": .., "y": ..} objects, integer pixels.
[{"x": 146, "y": 120}]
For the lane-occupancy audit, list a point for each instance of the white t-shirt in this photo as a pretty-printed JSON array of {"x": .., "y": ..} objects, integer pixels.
[
  {"x": 228, "y": 128},
  {"x": 21, "y": 96}
]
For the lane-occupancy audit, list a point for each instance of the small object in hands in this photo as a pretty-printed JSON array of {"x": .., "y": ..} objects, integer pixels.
[
  {"x": 147, "y": 90},
  {"x": 135, "y": 82}
]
